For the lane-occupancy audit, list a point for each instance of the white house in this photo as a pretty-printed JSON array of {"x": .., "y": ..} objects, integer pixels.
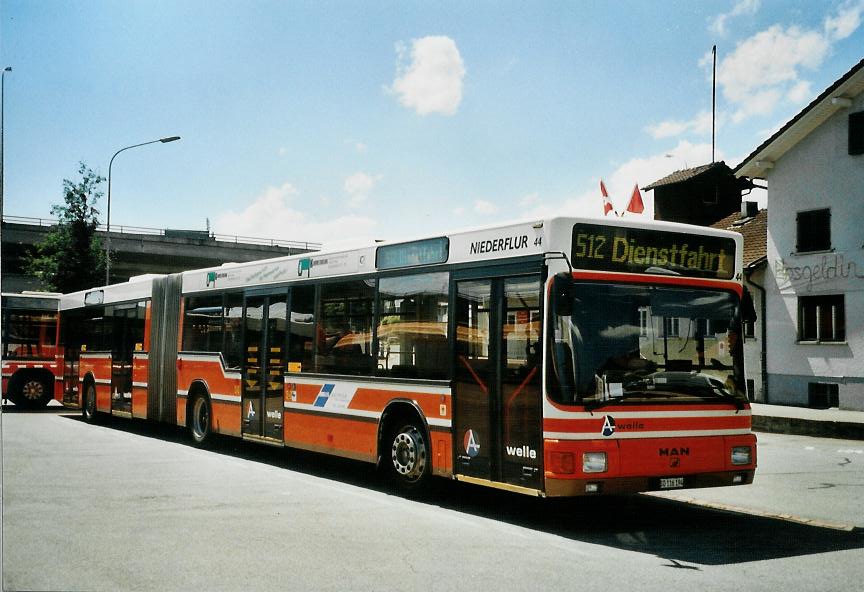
[
  {"x": 752, "y": 224},
  {"x": 814, "y": 168}
]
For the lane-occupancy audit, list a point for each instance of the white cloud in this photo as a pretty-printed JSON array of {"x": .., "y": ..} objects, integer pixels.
[
  {"x": 667, "y": 129},
  {"x": 801, "y": 92},
  {"x": 768, "y": 69},
  {"x": 283, "y": 151},
  {"x": 845, "y": 22},
  {"x": 482, "y": 206},
  {"x": 529, "y": 200},
  {"x": 358, "y": 186},
  {"x": 742, "y": 7},
  {"x": 359, "y": 147},
  {"x": 701, "y": 125},
  {"x": 432, "y": 82},
  {"x": 641, "y": 170},
  {"x": 770, "y": 59},
  {"x": 646, "y": 170},
  {"x": 759, "y": 103},
  {"x": 273, "y": 215}
]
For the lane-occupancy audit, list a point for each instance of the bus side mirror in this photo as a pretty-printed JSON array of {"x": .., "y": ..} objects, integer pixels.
[
  {"x": 748, "y": 310},
  {"x": 562, "y": 294}
]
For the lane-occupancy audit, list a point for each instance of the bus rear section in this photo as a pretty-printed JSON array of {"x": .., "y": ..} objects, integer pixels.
[
  {"x": 645, "y": 371},
  {"x": 32, "y": 359}
]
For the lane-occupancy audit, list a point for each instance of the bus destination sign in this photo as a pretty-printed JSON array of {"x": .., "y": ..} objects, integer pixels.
[
  {"x": 422, "y": 252},
  {"x": 639, "y": 250}
]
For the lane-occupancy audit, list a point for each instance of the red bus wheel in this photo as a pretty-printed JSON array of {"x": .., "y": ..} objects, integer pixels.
[
  {"x": 199, "y": 422},
  {"x": 88, "y": 406},
  {"x": 30, "y": 392}
]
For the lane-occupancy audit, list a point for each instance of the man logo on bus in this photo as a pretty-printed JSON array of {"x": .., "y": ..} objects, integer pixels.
[
  {"x": 472, "y": 447},
  {"x": 608, "y": 425}
]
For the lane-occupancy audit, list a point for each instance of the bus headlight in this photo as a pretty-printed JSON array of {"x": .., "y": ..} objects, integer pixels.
[
  {"x": 742, "y": 455},
  {"x": 594, "y": 462}
]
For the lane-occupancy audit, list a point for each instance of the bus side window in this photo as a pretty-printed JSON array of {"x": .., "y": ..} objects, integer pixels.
[
  {"x": 202, "y": 324},
  {"x": 301, "y": 329},
  {"x": 346, "y": 321},
  {"x": 412, "y": 326},
  {"x": 232, "y": 345}
]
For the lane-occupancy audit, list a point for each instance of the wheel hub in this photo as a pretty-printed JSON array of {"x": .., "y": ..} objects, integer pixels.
[
  {"x": 409, "y": 453},
  {"x": 33, "y": 390},
  {"x": 200, "y": 418}
]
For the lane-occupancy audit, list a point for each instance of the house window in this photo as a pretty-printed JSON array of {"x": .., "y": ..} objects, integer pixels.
[
  {"x": 643, "y": 322},
  {"x": 821, "y": 318},
  {"x": 814, "y": 231},
  {"x": 671, "y": 326},
  {"x": 823, "y": 395},
  {"x": 856, "y": 133}
]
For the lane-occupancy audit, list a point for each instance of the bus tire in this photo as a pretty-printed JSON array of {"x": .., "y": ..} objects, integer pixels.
[
  {"x": 200, "y": 420},
  {"x": 30, "y": 391},
  {"x": 88, "y": 405},
  {"x": 407, "y": 456}
]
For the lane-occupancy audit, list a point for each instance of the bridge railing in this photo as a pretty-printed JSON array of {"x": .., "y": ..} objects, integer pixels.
[{"x": 173, "y": 233}]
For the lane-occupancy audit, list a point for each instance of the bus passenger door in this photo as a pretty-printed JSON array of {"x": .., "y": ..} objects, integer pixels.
[
  {"x": 264, "y": 366},
  {"x": 497, "y": 380},
  {"x": 127, "y": 336}
]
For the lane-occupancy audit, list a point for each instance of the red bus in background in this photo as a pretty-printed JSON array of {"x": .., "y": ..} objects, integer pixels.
[
  {"x": 555, "y": 357},
  {"x": 32, "y": 360}
]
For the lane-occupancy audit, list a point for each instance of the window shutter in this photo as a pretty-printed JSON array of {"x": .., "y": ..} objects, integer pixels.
[
  {"x": 856, "y": 133},
  {"x": 813, "y": 231}
]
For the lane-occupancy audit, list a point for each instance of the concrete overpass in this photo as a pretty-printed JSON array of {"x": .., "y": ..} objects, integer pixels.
[{"x": 139, "y": 250}]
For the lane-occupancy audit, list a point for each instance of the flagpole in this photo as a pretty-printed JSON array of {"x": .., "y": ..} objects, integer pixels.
[{"x": 713, "y": 100}]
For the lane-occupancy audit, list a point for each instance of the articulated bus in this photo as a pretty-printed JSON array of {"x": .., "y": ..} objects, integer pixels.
[
  {"x": 555, "y": 357},
  {"x": 31, "y": 359}
]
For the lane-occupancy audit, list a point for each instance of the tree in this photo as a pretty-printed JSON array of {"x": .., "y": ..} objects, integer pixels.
[{"x": 71, "y": 256}]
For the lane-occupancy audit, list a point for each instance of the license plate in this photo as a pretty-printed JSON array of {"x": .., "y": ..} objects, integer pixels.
[{"x": 671, "y": 482}]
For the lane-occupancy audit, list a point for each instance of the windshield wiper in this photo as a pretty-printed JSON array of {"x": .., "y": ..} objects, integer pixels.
[
  {"x": 739, "y": 404},
  {"x": 648, "y": 394},
  {"x": 662, "y": 271}
]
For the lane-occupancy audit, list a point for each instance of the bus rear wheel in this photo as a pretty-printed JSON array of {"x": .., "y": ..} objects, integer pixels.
[
  {"x": 199, "y": 421},
  {"x": 88, "y": 406},
  {"x": 407, "y": 457}
]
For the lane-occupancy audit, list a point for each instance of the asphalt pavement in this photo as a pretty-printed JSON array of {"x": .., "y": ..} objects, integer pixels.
[{"x": 127, "y": 505}]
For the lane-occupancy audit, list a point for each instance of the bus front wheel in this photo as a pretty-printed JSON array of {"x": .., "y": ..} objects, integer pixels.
[{"x": 407, "y": 457}]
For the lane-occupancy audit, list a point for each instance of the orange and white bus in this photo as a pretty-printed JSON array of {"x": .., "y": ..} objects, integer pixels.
[
  {"x": 31, "y": 359},
  {"x": 555, "y": 357}
]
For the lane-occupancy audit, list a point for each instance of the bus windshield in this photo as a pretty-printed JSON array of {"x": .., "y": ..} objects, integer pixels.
[{"x": 644, "y": 344}]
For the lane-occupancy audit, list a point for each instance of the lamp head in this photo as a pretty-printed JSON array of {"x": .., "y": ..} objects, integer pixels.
[{"x": 171, "y": 139}]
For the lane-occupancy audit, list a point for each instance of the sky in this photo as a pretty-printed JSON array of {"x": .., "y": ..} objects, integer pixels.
[{"x": 340, "y": 122}]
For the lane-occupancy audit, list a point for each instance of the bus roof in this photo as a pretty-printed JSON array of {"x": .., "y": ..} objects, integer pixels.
[{"x": 509, "y": 240}]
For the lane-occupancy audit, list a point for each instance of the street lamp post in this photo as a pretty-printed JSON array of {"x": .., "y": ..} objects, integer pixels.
[
  {"x": 2, "y": 110},
  {"x": 108, "y": 219}
]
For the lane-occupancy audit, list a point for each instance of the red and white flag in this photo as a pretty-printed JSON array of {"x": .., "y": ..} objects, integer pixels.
[
  {"x": 607, "y": 205},
  {"x": 636, "y": 206}
]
